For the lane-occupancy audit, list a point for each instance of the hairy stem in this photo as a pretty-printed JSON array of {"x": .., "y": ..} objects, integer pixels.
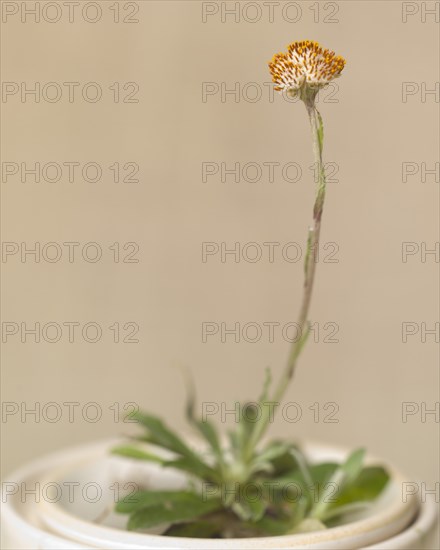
[
  {"x": 310, "y": 262},
  {"x": 312, "y": 253}
]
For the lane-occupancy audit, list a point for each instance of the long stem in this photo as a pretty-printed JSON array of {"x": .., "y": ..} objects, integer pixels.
[
  {"x": 309, "y": 272},
  {"x": 312, "y": 253}
]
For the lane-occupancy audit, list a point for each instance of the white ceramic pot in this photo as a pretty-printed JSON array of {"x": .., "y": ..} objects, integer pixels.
[{"x": 75, "y": 490}]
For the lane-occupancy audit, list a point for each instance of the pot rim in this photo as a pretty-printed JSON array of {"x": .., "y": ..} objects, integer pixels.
[{"x": 399, "y": 513}]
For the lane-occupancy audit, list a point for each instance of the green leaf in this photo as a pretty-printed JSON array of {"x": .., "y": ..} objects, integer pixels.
[
  {"x": 310, "y": 485},
  {"x": 195, "y": 529},
  {"x": 251, "y": 411},
  {"x": 143, "y": 499},
  {"x": 300, "y": 489},
  {"x": 343, "y": 476},
  {"x": 159, "y": 434},
  {"x": 265, "y": 460},
  {"x": 257, "y": 508},
  {"x": 369, "y": 484},
  {"x": 273, "y": 451},
  {"x": 283, "y": 517},
  {"x": 252, "y": 504},
  {"x": 353, "y": 465},
  {"x": 138, "y": 454},
  {"x": 241, "y": 510},
  {"x": 248, "y": 421},
  {"x": 300, "y": 510},
  {"x": 253, "y": 415},
  {"x": 207, "y": 429},
  {"x": 195, "y": 467},
  {"x": 273, "y": 526},
  {"x": 233, "y": 439},
  {"x": 188, "y": 506},
  {"x": 284, "y": 463},
  {"x": 204, "y": 426},
  {"x": 322, "y": 473}
]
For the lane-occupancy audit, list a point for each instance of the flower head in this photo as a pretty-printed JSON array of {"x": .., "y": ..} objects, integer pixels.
[{"x": 305, "y": 66}]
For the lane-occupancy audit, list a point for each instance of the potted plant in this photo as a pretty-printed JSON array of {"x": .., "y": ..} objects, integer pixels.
[{"x": 242, "y": 490}]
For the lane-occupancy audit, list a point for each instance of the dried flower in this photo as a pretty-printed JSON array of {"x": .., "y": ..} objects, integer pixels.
[{"x": 306, "y": 67}]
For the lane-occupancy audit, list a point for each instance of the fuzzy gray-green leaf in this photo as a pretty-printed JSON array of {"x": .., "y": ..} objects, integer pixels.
[
  {"x": 194, "y": 529},
  {"x": 138, "y": 454},
  {"x": 188, "y": 507}
]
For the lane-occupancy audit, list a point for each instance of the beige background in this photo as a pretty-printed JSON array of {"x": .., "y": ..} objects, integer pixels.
[{"x": 370, "y": 212}]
